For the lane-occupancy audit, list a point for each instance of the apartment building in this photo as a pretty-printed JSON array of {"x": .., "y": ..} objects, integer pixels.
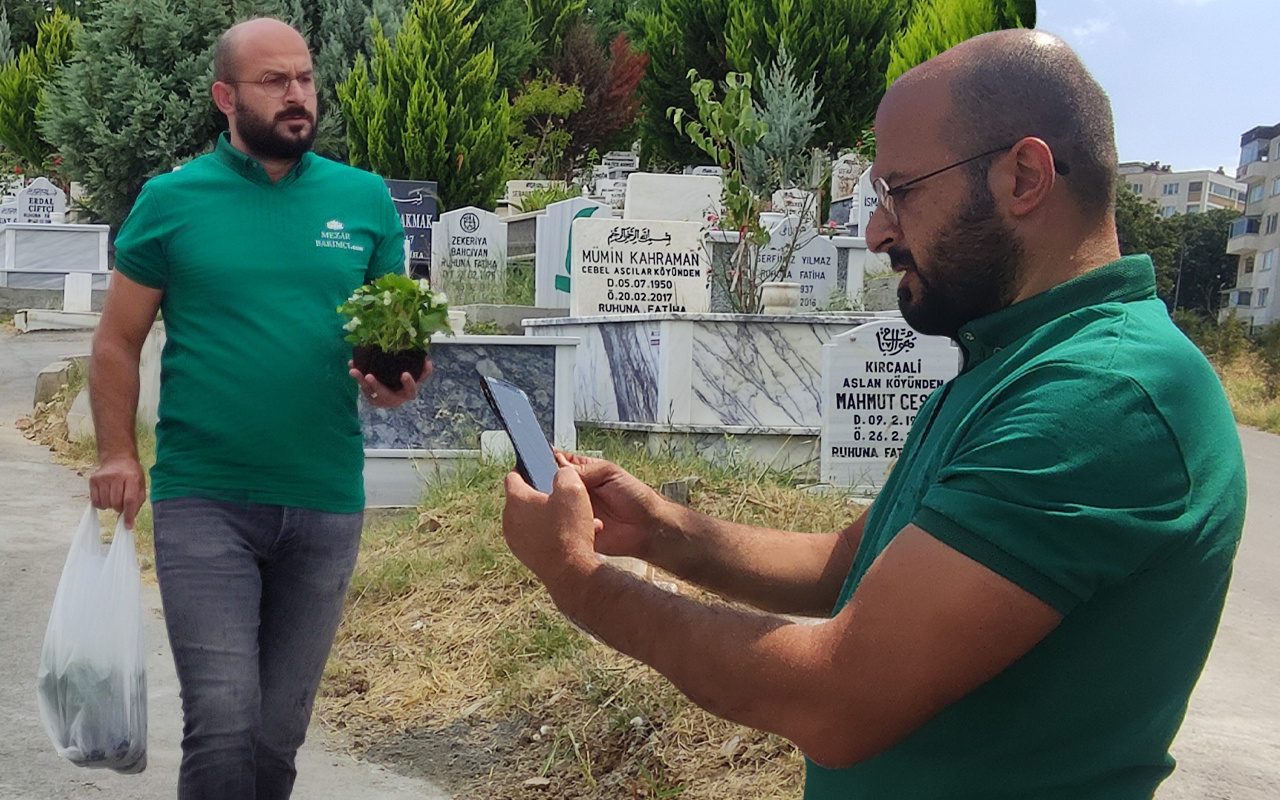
[
  {"x": 1191, "y": 192},
  {"x": 1255, "y": 237}
]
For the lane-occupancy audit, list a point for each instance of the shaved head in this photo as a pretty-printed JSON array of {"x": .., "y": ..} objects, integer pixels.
[
  {"x": 226, "y": 54},
  {"x": 1009, "y": 85}
]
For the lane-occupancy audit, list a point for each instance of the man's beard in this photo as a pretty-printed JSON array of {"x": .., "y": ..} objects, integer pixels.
[
  {"x": 260, "y": 137},
  {"x": 973, "y": 267}
]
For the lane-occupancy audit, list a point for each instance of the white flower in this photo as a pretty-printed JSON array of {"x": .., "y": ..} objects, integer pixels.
[
  {"x": 424, "y": 284},
  {"x": 352, "y": 325},
  {"x": 386, "y": 299},
  {"x": 441, "y": 298}
]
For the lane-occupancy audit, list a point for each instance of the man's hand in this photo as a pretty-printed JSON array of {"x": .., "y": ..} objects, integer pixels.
[
  {"x": 119, "y": 484},
  {"x": 553, "y": 535},
  {"x": 631, "y": 514},
  {"x": 382, "y": 397}
]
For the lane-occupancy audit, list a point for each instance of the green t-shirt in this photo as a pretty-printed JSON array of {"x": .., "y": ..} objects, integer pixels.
[
  {"x": 1086, "y": 452},
  {"x": 255, "y": 401}
]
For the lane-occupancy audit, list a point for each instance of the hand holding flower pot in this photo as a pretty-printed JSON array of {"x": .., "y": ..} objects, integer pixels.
[{"x": 390, "y": 323}]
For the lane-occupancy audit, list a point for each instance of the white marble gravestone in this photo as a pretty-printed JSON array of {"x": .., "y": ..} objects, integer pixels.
[
  {"x": 553, "y": 233},
  {"x": 813, "y": 262},
  {"x": 676, "y": 198},
  {"x": 866, "y": 203},
  {"x": 799, "y": 203},
  {"x": 613, "y": 191},
  {"x": 8, "y": 212},
  {"x": 638, "y": 267},
  {"x": 517, "y": 190},
  {"x": 77, "y": 292},
  {"x": 468, "y": 249},
  {"x": 875, "y": 379},
  {"x": 42, "y": 203}
]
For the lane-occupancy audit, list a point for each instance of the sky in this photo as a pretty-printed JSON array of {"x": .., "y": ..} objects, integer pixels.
[{"x": 1186, "y": 77}]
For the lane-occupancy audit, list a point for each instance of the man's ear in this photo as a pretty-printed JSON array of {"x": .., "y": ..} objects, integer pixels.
[
  {"x": 223, "y": 97},
  {"x": 1023, "y": 180}
]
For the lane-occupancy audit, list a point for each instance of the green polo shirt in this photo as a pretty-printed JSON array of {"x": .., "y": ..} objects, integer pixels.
[
  {"x": 255, "y": 401},
  {"x": 1086, "y": 452}
]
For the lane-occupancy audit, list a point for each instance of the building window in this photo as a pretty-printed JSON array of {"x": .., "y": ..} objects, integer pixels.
[
  {"x": 1171, "y": 188},
  {"x": 1268, "y": 260},
  {"x": 1248, "y": 264},
  {"x": 1193, "y": 209},
  {"x": 1244, "y": 298},
  {"x": 1273, "y": 222},
  {"x": 1137, "y": 187},
  {"x": 1196, "y": 186},
  {"x": 1255, "y": 194},
  {"x": 1262, "y": 297},
  {"x": 1168, "y": 211},
  {"x": 1275, "y": 187}
]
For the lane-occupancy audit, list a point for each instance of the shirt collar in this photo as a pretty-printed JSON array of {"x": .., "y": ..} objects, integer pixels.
[
  {"x": 1129, "y": 279},
  {"x": 251, "y": 168}
]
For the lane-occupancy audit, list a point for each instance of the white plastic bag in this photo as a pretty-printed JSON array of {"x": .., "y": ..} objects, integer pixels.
[{"x": 92, "y": 684}]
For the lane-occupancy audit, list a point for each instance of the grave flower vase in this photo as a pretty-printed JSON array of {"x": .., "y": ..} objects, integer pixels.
[{"x": 387, "y": 367}]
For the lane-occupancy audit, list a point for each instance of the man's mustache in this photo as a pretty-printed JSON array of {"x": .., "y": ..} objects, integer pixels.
[
  {"x": 295, "y": 113},
  {"x": 901, "y": 259}
]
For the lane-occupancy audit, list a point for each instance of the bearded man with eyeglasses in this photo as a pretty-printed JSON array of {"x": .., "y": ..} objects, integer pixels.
[
  {"x": 1023, "y": 611},
  {"x": 257, "y": 490}
]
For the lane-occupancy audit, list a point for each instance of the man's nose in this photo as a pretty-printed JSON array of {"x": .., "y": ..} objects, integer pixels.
[
  {"x": 881, "y": 232},
  {"x": 294, "y": 93}
]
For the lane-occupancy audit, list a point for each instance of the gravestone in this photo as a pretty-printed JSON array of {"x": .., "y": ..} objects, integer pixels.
[
  {"x": 875, "y": 380},
  {"x": 813, "y": 262},
  {"x": 469, "y": 255},
  {"x": 554, "y": 234},
  {"x": 866, "y": 203},
  {"x": 717, "y": 172},
  {"x": 417, "y": 203},
  {"x": 8, "y": 212},
  {"x": 518, "y": 190},
  {"x": 638, "y": 267},
  {"x": 620, "y": 159},
  {"x": 675, "y": 198},
  {"x": 800, "y": 204},
  {"x": 844, "y": 177},
  {"x": 42, "y": 203},
  {"x": 613, "y": 191}
]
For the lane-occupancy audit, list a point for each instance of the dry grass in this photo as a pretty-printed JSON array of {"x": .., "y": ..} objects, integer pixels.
[
  {"x": 1253, "y": 401},
  {"x": 445, "y": 627}
]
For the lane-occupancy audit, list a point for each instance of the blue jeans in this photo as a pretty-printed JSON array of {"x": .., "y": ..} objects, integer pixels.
[{"x": 253, "y": 595}]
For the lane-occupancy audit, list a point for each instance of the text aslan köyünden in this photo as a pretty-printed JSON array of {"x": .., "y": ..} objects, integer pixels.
[{"x": 876, "y": 434}]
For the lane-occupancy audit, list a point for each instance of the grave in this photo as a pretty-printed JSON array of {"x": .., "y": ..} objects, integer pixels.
[
  {"x": 875, "y": 379},
  {"x": 865, "y": 203},
  {"x": 844, "y": 188},
  {"x": 677, "y": 198},
  {"x": 469, "y": 255},
  {"x": 814, "y": 262},
  {"x": 633, "y": 267},
  {"x": 42, "y": 203},
  {"x": 799, "y": 203},
  {"x": 554, "y": 232},
  {"x": 417, "y": 203}
]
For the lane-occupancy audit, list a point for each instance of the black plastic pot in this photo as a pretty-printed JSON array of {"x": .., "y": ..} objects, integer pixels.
[{"x": 388, "y": 367}]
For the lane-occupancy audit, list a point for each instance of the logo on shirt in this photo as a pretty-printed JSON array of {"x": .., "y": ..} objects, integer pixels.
[{"x": 335, "y": 236}]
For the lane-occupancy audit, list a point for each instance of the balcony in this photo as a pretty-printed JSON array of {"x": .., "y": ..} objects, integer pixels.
[
  {"x": 1242, "y": 238},
  {"x": 1258, "y": 167}
]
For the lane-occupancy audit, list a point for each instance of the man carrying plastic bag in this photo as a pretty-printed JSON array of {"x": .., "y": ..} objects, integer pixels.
[{"x": 92, "y": 684}]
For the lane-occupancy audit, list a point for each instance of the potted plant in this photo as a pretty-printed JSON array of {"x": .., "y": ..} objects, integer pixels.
[{"x": 389, "y": 324}]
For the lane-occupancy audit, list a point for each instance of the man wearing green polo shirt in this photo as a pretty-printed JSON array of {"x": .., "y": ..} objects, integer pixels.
[
  {"x": 1026, "y": 606},
  {"x": 257, "y": 489}
]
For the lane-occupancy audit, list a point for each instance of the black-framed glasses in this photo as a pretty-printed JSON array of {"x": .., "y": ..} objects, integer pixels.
[
  {"x": 276, "y": 84},
  {"x": 885, "y": 193}
]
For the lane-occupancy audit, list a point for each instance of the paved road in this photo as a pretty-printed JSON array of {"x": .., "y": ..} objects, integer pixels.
[
  {"x": 1229, "y": 748},
  {"x": 40, "y": 506}
]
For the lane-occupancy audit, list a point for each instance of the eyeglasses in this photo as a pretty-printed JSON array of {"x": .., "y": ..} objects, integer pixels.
[
  {"x": 276, "y": 84},
  {"x": 885, "y": 193}
]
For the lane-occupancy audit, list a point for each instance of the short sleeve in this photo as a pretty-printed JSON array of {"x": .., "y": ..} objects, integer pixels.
[
  {"x": 388, "y": 254},
  {"x": 1066, "y": 483},
  {"x": 140, "y": 244}
]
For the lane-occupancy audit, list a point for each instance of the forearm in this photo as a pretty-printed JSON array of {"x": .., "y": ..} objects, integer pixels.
[
  {"x": 113, "y": 396},
  {"x": 749, "y": 668},
  {"x": 778, "y": 571}
]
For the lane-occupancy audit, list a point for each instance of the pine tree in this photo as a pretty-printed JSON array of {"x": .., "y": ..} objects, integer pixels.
[
  {"x": 844, "y": 44},
  {"x": 135, "y": 101},
  {"x": 788, "y": 108},
  {"x": 23, "y": 83},
  {"x": 342, "y": 32},
  {"x": 424, "y": 107},
  {"x": 6, "y": 44},
  {"x": 505, "y": 25},
  {"x": 936, "y": 25}
]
